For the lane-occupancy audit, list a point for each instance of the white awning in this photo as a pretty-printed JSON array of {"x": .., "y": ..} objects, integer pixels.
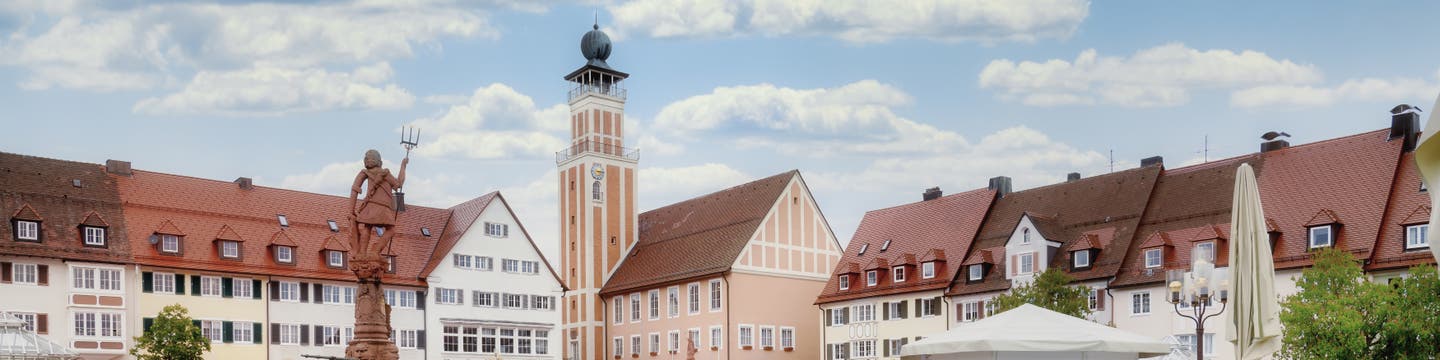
[{"x": 1030, "y": 328}]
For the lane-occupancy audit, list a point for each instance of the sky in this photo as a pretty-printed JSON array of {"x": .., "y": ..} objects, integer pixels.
[{"x": 873, "y": 101}]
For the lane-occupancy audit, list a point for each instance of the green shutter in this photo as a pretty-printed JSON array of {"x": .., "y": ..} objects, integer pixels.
[
  {"x": 255, "y": 293},
  {"x": 227, "y": 334},
  {"x": 180, "y": 284},
  {"x": 148, "y": 280},
  {"x": 257, "y": 337},
  {"x": 226, "y": 289},
  {"x": 148, "y": 323},
  {"x": 195, "y": 285},
  {"x": 196, "y": 322}
]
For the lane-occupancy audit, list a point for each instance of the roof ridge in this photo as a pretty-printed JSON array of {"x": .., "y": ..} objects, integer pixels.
[
  {"x": 53, "y": 159},
  {"x": 791, "y": 172},
  {"x": 268, "y": 187},
  {"x": 1319, "y": 142},
  {"x": 967, "y": 192}
]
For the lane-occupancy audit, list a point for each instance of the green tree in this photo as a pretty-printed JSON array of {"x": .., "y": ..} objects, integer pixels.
[
  {"x": 1412, "y": 325},
  {"x": 1339, "y": 314},
  {"x": 171, "y": 336},
  {"x": 1050, "y": 290}
]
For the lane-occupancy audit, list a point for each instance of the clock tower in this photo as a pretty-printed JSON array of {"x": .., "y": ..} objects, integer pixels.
[{"x": 597, "y": 196}]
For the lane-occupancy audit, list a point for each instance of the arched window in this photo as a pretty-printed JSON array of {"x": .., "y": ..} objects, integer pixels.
[
  {"x": 1025, "y": 233},
  {"x": 595, "y": 191}
]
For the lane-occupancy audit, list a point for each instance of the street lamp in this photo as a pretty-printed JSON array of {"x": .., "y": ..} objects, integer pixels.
[{"x": 1193, "y": 288}]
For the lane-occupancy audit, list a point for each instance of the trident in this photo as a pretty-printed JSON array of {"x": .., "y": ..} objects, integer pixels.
[{"x": 409, "y": 139}]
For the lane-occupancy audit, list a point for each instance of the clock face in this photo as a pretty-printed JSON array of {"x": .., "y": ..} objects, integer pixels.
[{"x": 597, "y": 171}]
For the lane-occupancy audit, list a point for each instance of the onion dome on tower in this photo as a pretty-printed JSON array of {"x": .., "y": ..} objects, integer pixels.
[{"x": 595, "y": 46}]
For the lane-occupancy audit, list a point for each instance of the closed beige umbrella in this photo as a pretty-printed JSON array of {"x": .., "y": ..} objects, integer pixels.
[
  {"x": 1254, "y": 316},
  {"x": 1427, "y": 157}
]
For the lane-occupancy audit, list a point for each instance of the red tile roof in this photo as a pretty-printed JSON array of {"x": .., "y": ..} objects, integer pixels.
[
  {"x": 925, "y": 229},
  {"x": 697, "y": 237},
  {"x": 1408, "y": 206},
  {"x": 45, "y": 190}
]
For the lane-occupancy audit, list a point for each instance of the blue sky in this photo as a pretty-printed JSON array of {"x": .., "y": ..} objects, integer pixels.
[{"x": 872, "y": 101}]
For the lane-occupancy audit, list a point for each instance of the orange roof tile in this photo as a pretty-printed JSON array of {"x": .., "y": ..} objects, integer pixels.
[
  {"x": 226, "y": 233},
  {"x": 1405, "y": 198},
  {"x": 46, "y": 190}
]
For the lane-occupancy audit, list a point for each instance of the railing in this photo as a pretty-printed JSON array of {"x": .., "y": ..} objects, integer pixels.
[
  {"x": 587, "y": 146},
  {"x": 614, "y": 90}
]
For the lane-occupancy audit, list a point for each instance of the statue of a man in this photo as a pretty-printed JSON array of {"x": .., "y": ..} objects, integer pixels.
[{"x": 377, "y": 211}]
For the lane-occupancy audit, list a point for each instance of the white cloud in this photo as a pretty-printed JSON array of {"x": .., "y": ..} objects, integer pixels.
[
  {"x": 1364, "y": 89},
  {"x": 268, "y": 90},
  {"x": 1158, "y": 76},
  {"x": 421, "y": 188},
  {"x": 495, "y": 122},
  {"x": 986, "y": 21},
  {"x": 663, "y": 186}
]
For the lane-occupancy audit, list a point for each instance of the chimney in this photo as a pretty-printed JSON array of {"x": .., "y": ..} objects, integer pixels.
[
  {"x": 1405, "y": 124},
  {"x": 1001, "y": 185},
  {"x": 117, "y": 167},
  {"x": 1153, "y": 160},
  {"x": 1072, "y": 176},
  {"x": 932, "y": 194},
  {"x": 1273, "y": 145},
  {"x": 245, "y": 183},
  {"x": 399, "y": 201}
]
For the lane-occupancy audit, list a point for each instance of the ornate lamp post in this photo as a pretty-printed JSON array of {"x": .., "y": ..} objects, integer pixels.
[{"x": 1193, "y": 289}]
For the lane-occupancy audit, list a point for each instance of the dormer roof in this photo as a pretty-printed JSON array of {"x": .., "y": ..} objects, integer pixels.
[
  {"x": 1323, "y": 217},
  {"x": 228, "y": 234},
  {"x": 93, "y": 219},
  {"x": 27, "y": 213}
]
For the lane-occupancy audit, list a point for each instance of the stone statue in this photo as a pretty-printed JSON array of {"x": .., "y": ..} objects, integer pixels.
[
  {"x": 690, "y": 349},
  {"x": 373, "y": 215}
]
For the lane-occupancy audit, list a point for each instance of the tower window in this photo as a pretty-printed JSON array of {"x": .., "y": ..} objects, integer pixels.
[{"x": 595, "y": 191}]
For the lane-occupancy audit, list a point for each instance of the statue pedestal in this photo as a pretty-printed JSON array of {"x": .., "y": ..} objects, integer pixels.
[{"x": 372, "y": 315}]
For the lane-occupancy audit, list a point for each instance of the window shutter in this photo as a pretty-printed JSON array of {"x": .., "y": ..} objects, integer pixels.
[
  {"x": 274, "y": 293},
  {"x": 829, "y": 351},
  {"x": 460, "y": 297},
  {"x": 256, "y": 328},
  {"x": 147, "y": 282},
  {"x": 904, "y": 309},
  {"x": 42, "y": 324},
  {"x": 5, "y": 273},
  {"x": 180, "y": 284},
  {"x": 828, "y": 314},
  {"x": 195, "y": 285},
  {"x": 475, "y": 297},
  {"x": 420, "y": 339},
  {"x": 43, "y": 278},
  {"x": 884, "y": 311},
  {"x": 320, "y": 335},
  {"x": 918, "y": 308},
  {"x": 227, "y": 333},
  {"x": 304, "y": 292},
  {"x": 196, "y": 322},
  {"x": 959, "y": 312},
  {"x": 1014, "y": 264},
  {"x": 845, "y": 318},
  {"x": 455, "y": 259},
  {"x": 274, "y": 333},
  {"x": 420, "y": 300},
  {"x": 146, "y": 324},
  {"x": 935, "y": 306},
  {"x": 980, "y": 308},
  {"x": 255, "y": 291},
  {"x": 227, "y": 289},
  {"x": 319, "y": 293},
  {"x": 305, "y": 335},
  {"x": 1099, "y": 299},
  {"x": 887, "y": 346}
]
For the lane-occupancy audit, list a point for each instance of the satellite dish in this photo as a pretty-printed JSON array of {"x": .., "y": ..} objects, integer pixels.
[{"x": 154, "y": 240}]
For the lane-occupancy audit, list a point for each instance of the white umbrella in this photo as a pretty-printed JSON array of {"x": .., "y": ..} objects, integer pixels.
[
  {"x": 1254, "y": 316},
  {"x": 1427, "y": 158},
  {"x": 1033, "y": 330}
]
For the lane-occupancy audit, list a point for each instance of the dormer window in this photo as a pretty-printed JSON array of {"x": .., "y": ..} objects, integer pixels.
[
  {"x": 284, "y": 254},
  {"x": 1322, "y": 236},
  {"x": 1153, "y": 258},
  {"x": 335, "y": 259},
  {"x": 899, "y": 273},
  {"x": 26, "y": 230},
  {"x": 1025, "y": 235},
  {"x": 927, "y": 270},
  {"x": 1415, "y": 236},
  {"x": 94, "y": 235},
  {"x": 283, "y": 221},
  {"x": 1081, "y": 259},
  {"x": 863, "y": 247},
  {"x": 229, "y": 249},
  {"x": 872, "y": 277},
  {"x": 169, "y": 243},
  {"x": 977, "y": 272},
  {"x": 844, "y": 282},
  {"x": 1206, "y": 250},
  {"x": 390, "y": 264},
  {"x": 885, "y": 246}
]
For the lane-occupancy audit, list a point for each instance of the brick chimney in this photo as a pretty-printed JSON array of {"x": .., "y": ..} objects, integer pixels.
[
  {"x": 245, "y": 183},
  {"x": 117, "y": 167},
  {"x": 932, "y": 194}
]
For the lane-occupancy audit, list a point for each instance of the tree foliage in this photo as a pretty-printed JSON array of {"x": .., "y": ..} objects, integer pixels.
[
  {"x": 172, "y": 336},
  {"x": 1050, "y": 290},
  {"x": 1338, "y": 314}
]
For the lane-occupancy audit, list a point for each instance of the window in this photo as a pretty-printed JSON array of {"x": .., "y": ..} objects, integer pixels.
[
  {"x": 485, "y": 263},
  {"x": 674, "y": 301},
  {"x": 407, "y": 339},
  {"x": 714, "y": 295},
  {"x": 674, "y": 341},
  {"x": 977, "y": 272},
  {"x": 1027, "y": 263},
  {"x": 239, "y": 288},
  {"x": 1093, "y": 299},
  {"x": 863, "y": 348},
  {"x": 767, "y": 337},
  {"x": 970, "y": 311},
  {"x": 930, "y": 307},
  {"x": 94, "y": 236},
  {"x": 893, "y": 310},
  {"x": 390, "y": 264},
  {"x": 448, "y": 296},
  {"x": 634, "y": 307},
  {"x": 1188, "y": 341},
  {"x": 654, "y": 304},
  {"x": 990, "y": 308},
  {"x": 289, "y": 291},
  {"x": 1321, "y": 236},
  {"x": 229, "y": 249},
  {"x": 717, "y": 336},
  {"x": 899, "y": 274},
  {"x": 839, "y": 351},
  {"x": 1082, "y": 258},
  {"x": 284, "y": 255},
  {"x": 787, "y": 336},
  {"x": 284, "y": 222},
  {"x": 927, "y": 270},
  {"x": 486, "y": 299},
  {"x": 27, "y": 274},
  {"x": 595, "y": 191},
  {"x": 1415, "y": 236},
  {"x": 1025, "y": 235},
  {"x": 837, "y": 316},
  {"x": 654, "y": 343},
  {"x": 169, "y": 243},
  {"x": 693, "y": 290},
  {"x": 400, "y": 298},
  {"x": 872, "y": 277},
  {"x": 619, "y": 304},
  {"x": 1140, "y": 303},
  {"x": 336, "y": 227},
  {"x": 895, "y": 345},
  {"x": 1206, "y": 250},
  {"x": 92, "y": 324},
  {"x": 510, "y": 265},
  {"x": 210, "y": 286},
  {"x": 338, "y": 294},
  {"x": 27, "y": 318},
  {"x": 863, "y": 247},
  {"x": 635, "y": 345},
  {"x": 747, "y": 336},
  {"x": 844, "y": 282},
  {"x": 530, "y": 267},
  {"x": 514, "y": 301},
  {"x": 213, "y": 330},
  {"x": 542, "y": 302},
  {"x": 451, "y": 341},
  {"x": 330, "y": 335},
  {"x": 463, "y": 261},
  {"x": 862, "y": 313},
  {"x": 27, "y": 230},
  {"x": 88, "y": 278},
  {"x": 619, "y": 347},
  {"x": 497, "y": 230},
  {"x": 289, "y": 334},
  {"x": 335, "y": 258},
  {"x": 1152, "y": 258},
  {"x": 885, "y": 246},
  {"x": 164, "y": 283}
]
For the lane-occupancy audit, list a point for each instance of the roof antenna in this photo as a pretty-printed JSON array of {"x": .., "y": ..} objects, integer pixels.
[{"x": 597, "y": 18}]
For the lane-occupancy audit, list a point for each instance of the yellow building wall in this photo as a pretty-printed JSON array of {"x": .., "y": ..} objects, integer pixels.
[{"x": 215, "y": 308}]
